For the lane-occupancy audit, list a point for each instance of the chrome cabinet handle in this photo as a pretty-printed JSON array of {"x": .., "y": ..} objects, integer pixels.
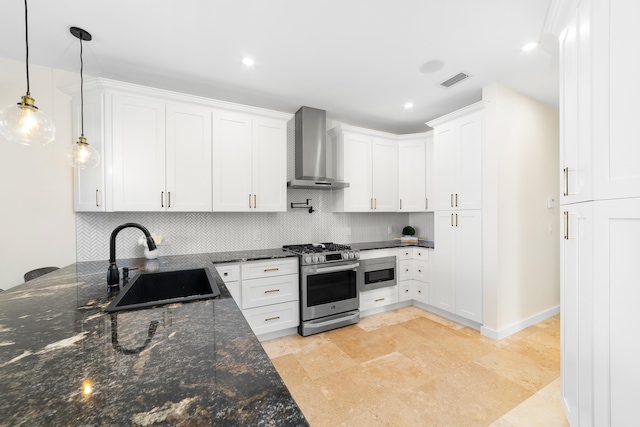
[
  {"x": 400, "y": 204},
  {"x": 565, "y": 172},
  {"x": 426, "y": 204},
  {"x": 162, "y": 199},
  {"x": 452, "y": 220},
  {"x": 451, "y": 201},
  {"x": 271, "y": 291},
  {"x": 456, "y": 220},
  {"x": 255, "y": 201},
  {"x": 379, "y": 299},
  {"x": 270, "y": 269},
  {"x": 97, "y": 198},
  {"x": 249, "y": 201},
  {"x": 271, "y": 318},
  {"x": 456, "y": 200},
  {"x": 169, "y": 196},
  {"x": 567, "y": 235}
]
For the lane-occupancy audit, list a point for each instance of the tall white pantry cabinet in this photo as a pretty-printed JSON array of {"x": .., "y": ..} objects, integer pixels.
[
  {"x": 457, "y": 200},
  {"x": 600, "y": 179}
]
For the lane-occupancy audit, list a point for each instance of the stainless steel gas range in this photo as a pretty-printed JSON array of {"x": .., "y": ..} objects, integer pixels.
[{"x": 329, "y": 296}]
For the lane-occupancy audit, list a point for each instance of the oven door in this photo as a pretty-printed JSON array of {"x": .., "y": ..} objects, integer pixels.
[{"x": 328, "y": 289}]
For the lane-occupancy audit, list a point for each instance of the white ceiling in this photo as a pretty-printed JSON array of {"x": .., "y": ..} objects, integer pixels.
[{"x": 358, "y": 59}]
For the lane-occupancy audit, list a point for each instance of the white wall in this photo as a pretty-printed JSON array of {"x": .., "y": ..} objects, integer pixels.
[
  {"x": 521, "y": 271},
  {"x": 37, "y": 222}
]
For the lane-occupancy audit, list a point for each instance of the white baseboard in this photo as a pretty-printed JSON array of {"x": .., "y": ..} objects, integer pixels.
[{"x": 518, "y": 326}]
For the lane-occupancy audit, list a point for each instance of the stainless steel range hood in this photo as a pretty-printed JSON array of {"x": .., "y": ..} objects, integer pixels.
[{"x": 311, "y": 152}]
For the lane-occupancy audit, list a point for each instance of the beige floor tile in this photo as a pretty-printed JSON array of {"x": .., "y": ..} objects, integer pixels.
[
  {"x": 543, "y": 409},
  {"x": 408, "y": 367},
  {"x": 322, "y": 358}
]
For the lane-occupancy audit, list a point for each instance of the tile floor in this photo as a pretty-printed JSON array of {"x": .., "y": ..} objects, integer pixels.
[{"x": 409, "y": 367}]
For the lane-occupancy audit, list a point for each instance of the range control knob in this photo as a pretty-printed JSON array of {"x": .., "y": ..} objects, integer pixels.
[
  {"x": 357, "y": 255},
  {"x": 321, "y": 258},
  {"x": 350, "y": 255},
  {"x": 315, "y": 259},
  {"x": 307, "y": 259}
]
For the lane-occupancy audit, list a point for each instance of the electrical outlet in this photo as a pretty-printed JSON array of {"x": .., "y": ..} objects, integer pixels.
[
  {"x": 257, "y": 235},
  {"x": 550, "y": 228}
]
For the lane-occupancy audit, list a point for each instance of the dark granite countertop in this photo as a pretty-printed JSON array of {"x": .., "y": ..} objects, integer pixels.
[
  {"x": 249, "y": 255},
  {"x": 195, "y": 364},
  {"x": 386, "y": 244}
]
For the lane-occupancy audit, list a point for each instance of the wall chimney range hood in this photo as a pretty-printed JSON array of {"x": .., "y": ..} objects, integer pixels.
[{"x": 311, "y": 152}]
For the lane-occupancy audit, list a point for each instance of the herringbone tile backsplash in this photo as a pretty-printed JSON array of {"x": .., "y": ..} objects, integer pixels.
[
  {"x": 205, "y": 232},
  {"x": 200, "y": 232}
]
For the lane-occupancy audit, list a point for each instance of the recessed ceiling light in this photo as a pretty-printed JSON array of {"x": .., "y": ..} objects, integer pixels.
[
  {"x": 529, "y": 46},
  {"x": 408, "y": 105},
  {"x": 248, "y": 61}
]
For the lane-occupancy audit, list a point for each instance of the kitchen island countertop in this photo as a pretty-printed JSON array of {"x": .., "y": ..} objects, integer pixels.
[{"x": 196, "y": 363}]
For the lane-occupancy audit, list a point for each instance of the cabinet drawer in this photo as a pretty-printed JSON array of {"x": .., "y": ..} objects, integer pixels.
[
  {"x": 378, "y": 297},
  {"x": 269, "y": 290},
  {"x": 279, "y": 267},
  {"x": 421, "y": 270},
  {"x": 272, "y": 318},
  {"x": 421, "y": 253},
  {"x": 405, "y": 291},
  {"x": 228, "y": 272},
  {"x": 421, "y": 292},
  {"x": 405, "y": 270},
  {"x": 405, "y": 253}
]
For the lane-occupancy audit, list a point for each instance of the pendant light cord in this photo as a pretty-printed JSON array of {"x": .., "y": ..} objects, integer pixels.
[
  {"x": 81, "y": 92},
  {"x": 26, "y": 36}
]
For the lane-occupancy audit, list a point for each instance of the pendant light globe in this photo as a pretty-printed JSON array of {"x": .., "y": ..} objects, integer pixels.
[{"x": 23, "y": 122}]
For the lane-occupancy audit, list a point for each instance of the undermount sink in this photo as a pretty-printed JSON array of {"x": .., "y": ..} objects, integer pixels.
[{"x": 149, "y": 289}]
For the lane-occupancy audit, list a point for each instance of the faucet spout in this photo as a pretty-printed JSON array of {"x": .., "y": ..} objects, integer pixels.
[{"x": 113, "y": 277}]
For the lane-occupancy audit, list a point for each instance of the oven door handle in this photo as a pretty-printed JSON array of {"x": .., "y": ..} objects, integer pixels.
[{"x": 346, "y": 267}]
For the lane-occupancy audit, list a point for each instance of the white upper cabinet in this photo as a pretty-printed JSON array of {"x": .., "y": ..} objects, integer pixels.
[
  {"x": 368, "y": 161},
  {"x": 599, "y": 150},
  {"x": 160, "y": 151},
  {"x": 89, "y": 184},
  {"x": 457, "y": 159},
  {"x": 414, "y": 172},
  {"x": 249, "y": 163},
  {"x": 188, "y": 158},
  {"x": 138, "y": 154}
]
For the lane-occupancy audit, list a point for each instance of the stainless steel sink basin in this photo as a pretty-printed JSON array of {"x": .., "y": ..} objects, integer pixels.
[{"x": 149, "y": 289}]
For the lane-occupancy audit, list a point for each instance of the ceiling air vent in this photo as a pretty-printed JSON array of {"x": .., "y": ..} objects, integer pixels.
[{"x": 454, "y": 80}]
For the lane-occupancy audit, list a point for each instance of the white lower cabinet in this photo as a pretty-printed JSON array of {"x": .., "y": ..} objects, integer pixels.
[
  {"x": 230, "y": 275},
  {"x": 457, "y": 278},
  {"x": 269, "y": 294},
  {"x": 414, "y": 274},
  {"x": 378, "y": 298},
  {"x": 273, "y": 318}
]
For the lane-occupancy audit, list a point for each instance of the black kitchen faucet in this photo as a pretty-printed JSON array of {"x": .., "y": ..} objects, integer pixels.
[{"x": 113, "y": 277}]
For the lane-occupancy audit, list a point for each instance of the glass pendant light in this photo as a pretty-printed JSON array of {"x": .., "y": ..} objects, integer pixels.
[
  {"x": 23, "y": 122},
  {"x": 81, "y": 155}
]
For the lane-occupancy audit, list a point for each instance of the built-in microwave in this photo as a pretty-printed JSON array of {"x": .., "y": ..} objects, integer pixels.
[{"x": 377, "y": 273}]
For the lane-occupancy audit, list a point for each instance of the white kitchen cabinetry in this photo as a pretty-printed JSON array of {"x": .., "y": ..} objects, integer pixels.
[
  {"x": 457, "y": 277},
  {"x": 249, "y": 163},
  {"x": 230, "y": 275},
  {"x": 156, "y": 149},
  {"x": 600, "y": 182},
  {"x": 576, "y": 294},
  {"x": 161, "y": 155},
  {"x": 457, "y": 159},
  {"x": 89, "y": 184},
  {"x": 414, "y": 275},
  {"x": 414, "y": 171},
  {"x": 368, "y": 161},
  {"x": 138, "y": 143},
  {"x": 270, "y": 295}
]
